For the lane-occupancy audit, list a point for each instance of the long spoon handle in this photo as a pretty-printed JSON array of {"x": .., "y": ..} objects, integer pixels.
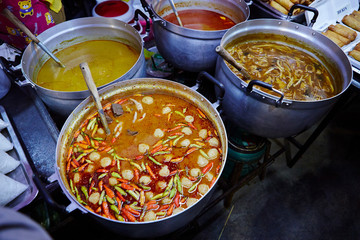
[
  {"x": 94, "y": 93},
  {"x": 226, "y": 56},
  {"x": 6, "y": 12}
]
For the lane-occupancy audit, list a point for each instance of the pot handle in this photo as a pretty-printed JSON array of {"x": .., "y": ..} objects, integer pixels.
[
  {"x": 251, "y": 84},
  {"x": 137, "y": 23},
  {"x": 311, "y": 9},
  {"x": 147, "y": 9},
  {"x": 220, "y": 97}
]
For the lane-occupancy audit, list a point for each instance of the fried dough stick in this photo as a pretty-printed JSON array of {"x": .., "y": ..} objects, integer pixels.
[
  {"x": 334, "y": 39},
  {"x": 355, "y": 54}
]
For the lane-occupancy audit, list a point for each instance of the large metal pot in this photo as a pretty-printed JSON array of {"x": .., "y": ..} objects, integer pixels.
[
  {"x": 120, "y": 89},
  {"x": 72, "y": 32},
  {"x": 268, "y": 115},
  {"x": 188, "y": 49}
]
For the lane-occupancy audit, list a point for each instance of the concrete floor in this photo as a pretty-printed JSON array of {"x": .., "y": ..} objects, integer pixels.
[{"x": 318, "y": 198}]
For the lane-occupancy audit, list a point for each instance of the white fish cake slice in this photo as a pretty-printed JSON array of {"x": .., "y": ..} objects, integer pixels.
[
  {"x": 10, "y": 189},
  {"x": 5, "y": 144},
  {"x": 7, "y": 162},
  {"x": 3, "y": 124}
]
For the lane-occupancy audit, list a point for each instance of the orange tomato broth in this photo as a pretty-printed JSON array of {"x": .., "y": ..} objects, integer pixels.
[
  {"x": 107, "y": 59},
  {"x": 200, "y": 19},
  {"x": 182, "y": 161}
]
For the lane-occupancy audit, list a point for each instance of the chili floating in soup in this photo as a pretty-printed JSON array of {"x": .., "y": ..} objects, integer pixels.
[
  {"x": 162, "y": 156},
  {"x": 108, "y": 60},
  {"x": 296, "y": 73},
  {"x": 200, "y": 19}
]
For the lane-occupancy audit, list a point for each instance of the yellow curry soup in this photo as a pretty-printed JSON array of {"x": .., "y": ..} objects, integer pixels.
[
  {"x": 108, "y": 60},
  {"x": 162, "y": 156}
]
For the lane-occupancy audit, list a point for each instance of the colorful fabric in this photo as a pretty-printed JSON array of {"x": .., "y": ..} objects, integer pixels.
[{"x": 33, "y": 13}]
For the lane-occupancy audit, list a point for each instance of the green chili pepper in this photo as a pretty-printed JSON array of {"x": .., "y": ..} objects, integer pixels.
[
  {"x": 72, "y": 186},
  {"x": 160, "y": 213},
  {"x": 179, "y": 185},
  {"x": 102, "y": 195},
  {"x": 98, "y": 139},
  {"x": 120, "y": 190},
  {"x": 204, "y": 154},
  {"x": 158, "y": 196},
  {"x": 85, "y": 192},
  {"x": 143, "y": 166},
  {"x": 144, "y": 187},
  {"x": 193, "y": 187},
  {"x": 115, "y": 174},
  {"x": 154, "y": 161},
  {"x": 120, "y": 218},
  {"x": 161, "y": 152},
  {"x": 102, "y": 175},
  {"x": 170, "y": 184},
  {"x": 176, "y": 140},
  {"x": 80, "y": 156},
  {"x": 172, "y": 193},
  {"x": 194, "y": 145},
  {"x": 136, "y": 165},
  {"x": 115, "y": 209},
  {"x": 95, "y": 129},
  {"x": 109, "y": 199},
  {"x": 133, "y": 194},
  {"x": 180, "y": 113}
]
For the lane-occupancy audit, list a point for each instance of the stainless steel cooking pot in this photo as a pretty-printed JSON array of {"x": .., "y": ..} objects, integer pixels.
[
  {"x": 120, "y": 89},
  {"x": 72, "y": 32},
  {"x": 188, "y": 49},
  {"x": 268, "y": 115}
]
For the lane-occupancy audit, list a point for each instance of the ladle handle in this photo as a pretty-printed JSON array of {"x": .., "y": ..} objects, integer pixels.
[
  {"x": 7, "y": 13},
  {"x": 226, "y": 56},
  {"x": 93, "y": 90}
]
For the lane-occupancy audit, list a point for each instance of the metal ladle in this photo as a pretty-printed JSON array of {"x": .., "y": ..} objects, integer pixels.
[
  {"x": 6, "y": 12},
  {"x": 227, "y": 57},
  {"x": 175, "y": 12},
  {"x": 94, "y": 93}
]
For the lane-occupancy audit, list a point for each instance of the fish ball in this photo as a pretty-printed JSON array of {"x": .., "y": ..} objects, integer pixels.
[
  {"x": 214, "y": 142},
  {"x": 166, "y": 200},
  {"x": 161, "y": 184},
  {"x": 195, "y": 172},
  {"x": 209, "y": 176},
  {"x": 143, "y": 148},
  {"x": 158, "y": 133},
  {"x": 149, "y": 195},
  {"x": 105, "y": 162},
  {"x": 145, "y": 180},
  {"x": 203, "y": 133},
  {"x": 127, "y": 174},
  {"x": 164, "y": 171},
  {"x": 202, "y": 162},
  {"x": 213, "y": 153},
  {"x": 203, "y": 188},
  {"x": 149, "y": 216},
  {"x": 185, "y": 182},
  {"x": 113, "y": 181},
  {"x": 166, "y": 110},
  {"x": 90, "y": 168},
  {"x": 178, "y": 210},
  {"x": 80, "y": 138},
  {"x": 185, "y": 143},
  {"x": 191, "y": 201},
  {"x": 100, "y": 131},
  {"x": 186, "y": 130},
  {"x": 77, "y": 177},
  {"x": 94, "y": 156},
  {"x": 94, "y": 197},
  {"x": 189, "y": 118},
  {"x": 148, "y": 100}
]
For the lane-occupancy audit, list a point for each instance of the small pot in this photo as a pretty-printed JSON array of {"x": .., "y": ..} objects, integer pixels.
[
  {"x": 188, "y": 49},
  {"x": 150, "y": 229},
  {"x": 116, "y": 9},
  {"x": 72, "y": 32}
]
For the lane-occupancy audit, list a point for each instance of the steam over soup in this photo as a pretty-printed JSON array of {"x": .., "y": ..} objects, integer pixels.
[
  {"x": 296, "y": 73},
  {"x": 162, "y": 156},
  {"x": 108, "y": 60}
]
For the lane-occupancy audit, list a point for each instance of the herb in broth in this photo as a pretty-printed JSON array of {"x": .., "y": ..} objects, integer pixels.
[
  {"x": 162, "y": 156},
  {"x": 294, "y": 72}
]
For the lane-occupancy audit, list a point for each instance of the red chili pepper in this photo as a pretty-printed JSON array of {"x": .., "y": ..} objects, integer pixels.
[
  {"x": 212, "y": 181},
  {"x": 136, "y": 175},
  {"x": 82, "y": 167},
  {"x": 127, "y": 186},
  {"x": 152, "y": 206},
  {"x": 177, "y": 200},
  {"x": 105, "y": 208},
  {"x": 109, "y": 192},
  {"x": 207, "y": 168},
  {"x": 131, "y": 210},
  {"x": 139, "y": 157},
  {"x": 150, "y": 172},
  {"x": 156, "y": 149},
  {"x": 113, "y": 139},
  {"x": 128, "y": 215},
  {"x": 218, "y": 169},
  {"x": 102, "y": 170},
  {"x": 163, "y": 207},
  {"x": 170, "y": 210},
  {"x": 119, "y": 203},
  {"x": 120, "y": 196},
  {"x": 101, "y": 184}
]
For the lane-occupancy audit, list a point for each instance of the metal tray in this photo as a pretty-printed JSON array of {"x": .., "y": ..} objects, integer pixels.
[{"x": 23, "y": 173}]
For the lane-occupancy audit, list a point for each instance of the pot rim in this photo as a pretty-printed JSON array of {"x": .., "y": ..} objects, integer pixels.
[
  {"x": 72, "y": 25},
  {"x": 268, "y": 25},
  {"x": 87, "y": 105},
  {"x": 199, "y": 34}
]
